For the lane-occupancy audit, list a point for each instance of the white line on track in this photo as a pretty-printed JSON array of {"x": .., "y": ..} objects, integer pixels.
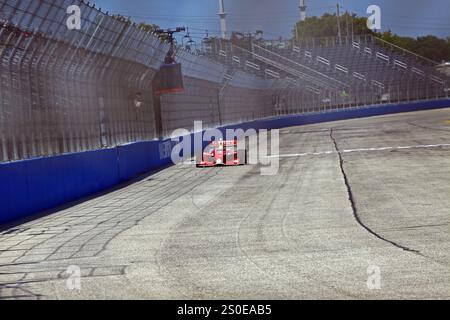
[{"x": 421, "y": 146}]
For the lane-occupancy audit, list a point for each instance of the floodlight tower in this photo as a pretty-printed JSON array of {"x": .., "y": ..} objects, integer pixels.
[
  {"x": 302, "y": 7},
  {"x": 223, "y": 22}
]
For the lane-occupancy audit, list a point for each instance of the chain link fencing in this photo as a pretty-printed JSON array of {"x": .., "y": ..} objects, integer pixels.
[{"x": 65, "y": 91}]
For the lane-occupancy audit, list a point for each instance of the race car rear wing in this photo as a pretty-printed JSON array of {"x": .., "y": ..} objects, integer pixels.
[{"x": 224, "y": 143}]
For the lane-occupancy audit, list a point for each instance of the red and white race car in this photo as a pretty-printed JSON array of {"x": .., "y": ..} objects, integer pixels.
[{"x": 222, "y": 153}]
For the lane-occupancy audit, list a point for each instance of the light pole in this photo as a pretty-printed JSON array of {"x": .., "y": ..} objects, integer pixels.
[
  {"x": 223, "y": 23},
  {"x": 302, "y": 7}
]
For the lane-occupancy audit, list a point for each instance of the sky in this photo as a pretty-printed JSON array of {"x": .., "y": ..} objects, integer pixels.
[{"x": 277, "y": 17}]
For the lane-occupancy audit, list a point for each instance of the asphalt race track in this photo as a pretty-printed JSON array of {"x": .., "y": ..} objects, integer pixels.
[{"x": 350, "y": 197}]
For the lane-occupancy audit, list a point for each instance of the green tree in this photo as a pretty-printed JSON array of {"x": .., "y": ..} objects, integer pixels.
[
  {"x": 327, "y": 26},
  {"x": 429, "y": 46},
  {"x": 153, "y": 28},
  {"x": 119, "y": 17},
  {"x": 148, "y": 27}
]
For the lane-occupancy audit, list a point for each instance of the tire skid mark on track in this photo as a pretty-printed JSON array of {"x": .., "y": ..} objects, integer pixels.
[
  {"x": 83, "y": 223},
  {"x": 305, "y": 255},
  {"x": 43, "y": 265},
  {"x": 189, "y": 188},
  {"x": 243, "y": 252},
  {"x": 239, "y": 229},
  {"x": 425, "y": 127},
  {"x": 183, "y": 280},
  {"x": 308, "y": 256},
  {"x": 165, "y": 271}
]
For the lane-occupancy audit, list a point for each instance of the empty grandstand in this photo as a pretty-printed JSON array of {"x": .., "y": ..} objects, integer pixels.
[{"x": 334, "y": 73}]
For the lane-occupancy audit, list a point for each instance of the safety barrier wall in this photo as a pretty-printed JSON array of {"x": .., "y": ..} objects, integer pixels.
[
  {"x": 66, "y": 91},
  {"x": 30, "y": 186},
  {"x": 350, "y": 113},
  {"x": 33, "y": 185}
]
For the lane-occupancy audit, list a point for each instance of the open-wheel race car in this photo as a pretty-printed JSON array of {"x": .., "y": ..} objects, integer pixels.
[{"x": 222, "y": 153}]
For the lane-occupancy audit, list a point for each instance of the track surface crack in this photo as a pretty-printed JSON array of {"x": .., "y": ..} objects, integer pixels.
[{"x": 353, "y": 204}]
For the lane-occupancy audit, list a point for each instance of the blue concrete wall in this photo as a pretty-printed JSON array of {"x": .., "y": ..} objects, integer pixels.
[
  {"x": 31, "y": 186},
  {"x": 370, "y": 111},
  {"x": 136, "y": 158}
]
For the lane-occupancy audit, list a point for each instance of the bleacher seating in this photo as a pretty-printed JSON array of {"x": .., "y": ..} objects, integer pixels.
[{"x": 358, "y": 71}]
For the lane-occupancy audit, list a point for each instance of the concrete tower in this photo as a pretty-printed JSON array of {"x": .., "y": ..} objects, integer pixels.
[
  {"x": 223, "y": 22},
  {"x": 302, "y": 7}
]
